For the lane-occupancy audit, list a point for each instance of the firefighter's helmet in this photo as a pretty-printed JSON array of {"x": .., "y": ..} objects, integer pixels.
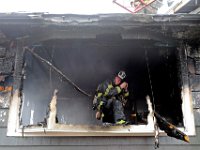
[{"x": 122, "y": 75}]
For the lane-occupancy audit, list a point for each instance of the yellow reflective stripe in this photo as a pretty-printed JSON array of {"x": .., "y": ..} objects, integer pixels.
[
  {"x": 99, "y": 95},
  {"x": 118, "y": 89},
  {"x": 126, "y": 94},
  {"x": 108, "y": 89},
  {"x": 99, "y": 106},
  {"x": 106, "y": 92},
  {"x": 121, "y": 122},
  {"x": 110, "y": 86}
]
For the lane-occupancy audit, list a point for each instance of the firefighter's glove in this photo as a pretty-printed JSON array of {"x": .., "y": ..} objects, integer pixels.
[
  {"x": 124, "y": 86},
  {"x": 98, "y": 115}
]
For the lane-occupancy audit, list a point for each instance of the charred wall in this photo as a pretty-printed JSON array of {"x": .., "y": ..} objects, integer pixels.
[
  {"x": 90, "y": 49},
  {"x": 193, "y": 67},
  {"x": 186, "y": 24}
]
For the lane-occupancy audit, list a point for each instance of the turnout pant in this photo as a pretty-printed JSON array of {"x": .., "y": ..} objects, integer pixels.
[{"x": 118, "y": 111}]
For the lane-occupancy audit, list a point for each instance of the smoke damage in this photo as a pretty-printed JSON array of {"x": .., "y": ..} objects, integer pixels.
[{"x": 78, "y": 57}]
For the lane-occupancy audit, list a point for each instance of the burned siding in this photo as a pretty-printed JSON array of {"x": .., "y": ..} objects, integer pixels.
[
  {"x": 194, "y": 56},
  {"x": 7, "y": 57}
]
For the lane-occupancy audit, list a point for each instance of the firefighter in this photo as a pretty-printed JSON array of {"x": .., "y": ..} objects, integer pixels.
[{"x": 110, "y": 99}]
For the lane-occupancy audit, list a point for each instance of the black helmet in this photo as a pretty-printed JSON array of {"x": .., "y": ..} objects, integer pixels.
[{"x": 122, "y": 75}]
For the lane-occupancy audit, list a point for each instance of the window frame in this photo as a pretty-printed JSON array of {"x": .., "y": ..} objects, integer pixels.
[{"x": 56, "y": 129}]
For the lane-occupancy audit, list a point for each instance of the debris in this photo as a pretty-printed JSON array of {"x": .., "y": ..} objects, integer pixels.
[
  {"x": 52, "y": 110},
  {"x": 170, "y": 129},
  {"x": 152, "y": 121}
]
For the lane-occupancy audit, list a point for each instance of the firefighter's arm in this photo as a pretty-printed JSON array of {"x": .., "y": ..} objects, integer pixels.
[
  {"x": 126, "y": 93},
  {"x": 124, "y": 87},
  {"x": 118, "y": 89},
  {"x": 97, "y": 97},
  {"x": 125, "y": 97},
  {"x": 114, "y": 91}
]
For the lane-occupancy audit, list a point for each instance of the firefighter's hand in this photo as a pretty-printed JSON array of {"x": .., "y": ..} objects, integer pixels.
[
  {"x": 124, "y": 85},
  {"x": 98, "y": 115}
]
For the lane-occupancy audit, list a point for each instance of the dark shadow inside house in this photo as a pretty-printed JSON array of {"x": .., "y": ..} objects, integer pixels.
[{"x": 152, "y": 70}]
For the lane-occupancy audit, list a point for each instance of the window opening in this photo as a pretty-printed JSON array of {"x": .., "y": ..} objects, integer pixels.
[{"x": 136, "y": 110}]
